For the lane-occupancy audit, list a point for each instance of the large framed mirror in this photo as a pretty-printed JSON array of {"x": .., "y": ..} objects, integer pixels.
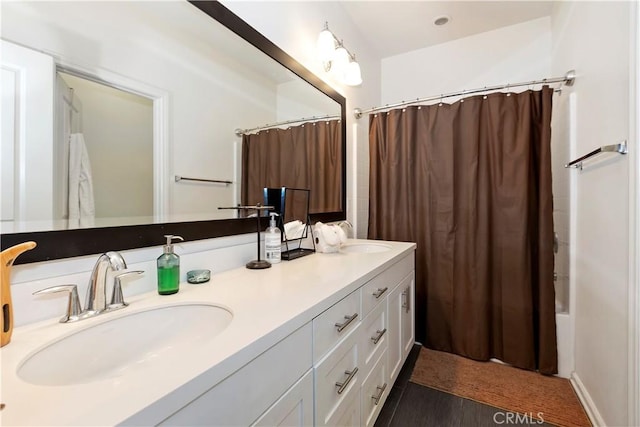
[{"x": 142, "y": 118}]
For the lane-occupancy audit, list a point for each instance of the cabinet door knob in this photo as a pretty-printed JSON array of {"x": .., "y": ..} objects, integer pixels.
[
  {"x": 342, "y": 386},
  {"x": 376, "y": 399},
  {"x": 377, "y": 337},
  {"x": 348, "y": 320}
]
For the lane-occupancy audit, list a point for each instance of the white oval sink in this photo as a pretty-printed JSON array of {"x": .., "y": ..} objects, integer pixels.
[
  {"x": 112, "y": 348},
  {"x": 367, "y": 247}
]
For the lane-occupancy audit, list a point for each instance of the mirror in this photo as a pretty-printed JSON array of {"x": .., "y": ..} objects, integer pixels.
[{"x": 204, "y": 78}]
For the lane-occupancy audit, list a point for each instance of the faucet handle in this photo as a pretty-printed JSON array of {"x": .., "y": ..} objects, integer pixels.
[
  {"x": 117, "y": 300},
  {"x": 73, "y": 307}
]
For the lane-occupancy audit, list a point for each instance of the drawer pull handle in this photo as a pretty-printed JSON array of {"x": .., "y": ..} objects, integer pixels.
[
  {"x": 351, "y": 374},
  {"x": 379, "y": 292},
  {"x": 376, "y": 399},
  {"x": 348, "y": 319},
  {"x": 377, "y": 337}
]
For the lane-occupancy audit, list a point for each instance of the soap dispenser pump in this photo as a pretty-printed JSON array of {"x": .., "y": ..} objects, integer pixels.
[
  {"x": 169, "y": 268},
  {"x": 273, "y": 241}
]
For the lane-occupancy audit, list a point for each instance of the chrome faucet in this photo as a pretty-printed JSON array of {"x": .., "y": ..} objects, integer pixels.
[
  {"x": 349, "y": 232},
  {"x": 97, "y": 292},
  {"x": 96, "y": 301}
]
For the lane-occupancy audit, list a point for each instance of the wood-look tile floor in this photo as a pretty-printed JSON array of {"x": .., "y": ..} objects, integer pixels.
[{"x": 410, "y": 404}]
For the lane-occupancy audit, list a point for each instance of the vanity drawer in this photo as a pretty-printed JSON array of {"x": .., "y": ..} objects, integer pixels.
[
  {"x": 375, "y": 390},
  {"x": 376, "y": 289},
  {"x": 336, "y": 323},
  {"x": 337, "y": 380},
  {"x": 374, "y": 338}
]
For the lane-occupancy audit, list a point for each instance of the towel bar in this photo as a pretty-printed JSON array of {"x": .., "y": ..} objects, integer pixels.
[
  {"x": 614, "y": 148},
  {"x": 217, "y": 181}
]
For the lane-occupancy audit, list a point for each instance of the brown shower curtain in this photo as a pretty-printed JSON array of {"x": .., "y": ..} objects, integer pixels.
[
  {"x": 306, "y": 156},
  {"x": 470, "y": 182}
]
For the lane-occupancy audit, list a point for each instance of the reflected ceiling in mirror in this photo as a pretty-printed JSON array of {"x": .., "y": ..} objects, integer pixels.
[
  {"x": 205, "y": 75},
  {"x": 203, "y": 82}
]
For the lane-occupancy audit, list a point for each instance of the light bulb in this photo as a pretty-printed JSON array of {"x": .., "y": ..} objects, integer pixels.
[
  {"x": 339, "y": 62},
  {"x": 353, "y": 75},
  {"x": 326, "y": 45}
]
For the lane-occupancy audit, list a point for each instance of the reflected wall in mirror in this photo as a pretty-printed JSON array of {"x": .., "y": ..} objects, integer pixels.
[{"x": 202, "y": 82}]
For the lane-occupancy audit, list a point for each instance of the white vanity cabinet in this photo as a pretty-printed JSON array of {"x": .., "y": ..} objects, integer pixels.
[
  {"x": 356, "y": 361},
  {"x": 337, "y": 370}
]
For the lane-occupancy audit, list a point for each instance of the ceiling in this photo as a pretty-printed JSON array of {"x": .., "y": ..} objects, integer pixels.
[{"x": 395, "y": 27}]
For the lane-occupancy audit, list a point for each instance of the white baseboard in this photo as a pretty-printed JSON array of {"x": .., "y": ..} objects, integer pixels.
[{"x": 587, "y": 402}]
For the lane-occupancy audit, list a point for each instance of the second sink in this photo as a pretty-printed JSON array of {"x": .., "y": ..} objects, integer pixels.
[
  {"x": 115, "y": 347},
  {"x": 365, "y": 247}
]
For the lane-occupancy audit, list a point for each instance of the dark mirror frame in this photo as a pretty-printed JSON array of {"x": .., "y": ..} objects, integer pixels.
[{"x": 78, "y": 242}]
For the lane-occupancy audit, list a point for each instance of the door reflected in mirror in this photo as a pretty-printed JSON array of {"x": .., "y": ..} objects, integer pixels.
[{"x": 110, "y": 174}]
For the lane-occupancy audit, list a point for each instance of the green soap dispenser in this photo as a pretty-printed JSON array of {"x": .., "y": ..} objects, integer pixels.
[{"x": 169, "y": 268}]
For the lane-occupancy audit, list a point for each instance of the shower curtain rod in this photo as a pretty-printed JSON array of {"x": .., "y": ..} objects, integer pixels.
[
  {"x": 240, "y": 132},
  {"x": 568, "y": 79}
]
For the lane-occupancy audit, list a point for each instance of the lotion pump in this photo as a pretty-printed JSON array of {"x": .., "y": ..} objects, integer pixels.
[
  {"x": 169, "y": 268},
  {"x": 272, "y": 241}
]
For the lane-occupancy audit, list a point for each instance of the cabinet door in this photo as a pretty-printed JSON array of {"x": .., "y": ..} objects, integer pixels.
[
  {"x": 295, "y": 408},
  {"x": 243, "y": 396},
  {"x": 407, "y": 325},
  {"x": 400, "y": 324}
]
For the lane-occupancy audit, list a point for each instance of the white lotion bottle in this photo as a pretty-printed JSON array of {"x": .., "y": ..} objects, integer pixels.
[{"x": 272, "y": 241}]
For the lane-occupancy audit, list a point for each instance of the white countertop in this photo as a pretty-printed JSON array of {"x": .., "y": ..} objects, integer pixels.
[{"x": 267, "y": 305}]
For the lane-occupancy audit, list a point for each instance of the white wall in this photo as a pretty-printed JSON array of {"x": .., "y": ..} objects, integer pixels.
[
  {"x": 294, "y": 27},
  {"x": 510, "y": 54},
  {"x": 593, "y": 38}
]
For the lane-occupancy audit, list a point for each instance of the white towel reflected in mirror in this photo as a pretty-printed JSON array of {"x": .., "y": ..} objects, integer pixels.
[{"x": 81, "y": 202}]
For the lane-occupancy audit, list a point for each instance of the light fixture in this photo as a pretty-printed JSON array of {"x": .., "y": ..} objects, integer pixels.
[{"x": 337, "y": 59}]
